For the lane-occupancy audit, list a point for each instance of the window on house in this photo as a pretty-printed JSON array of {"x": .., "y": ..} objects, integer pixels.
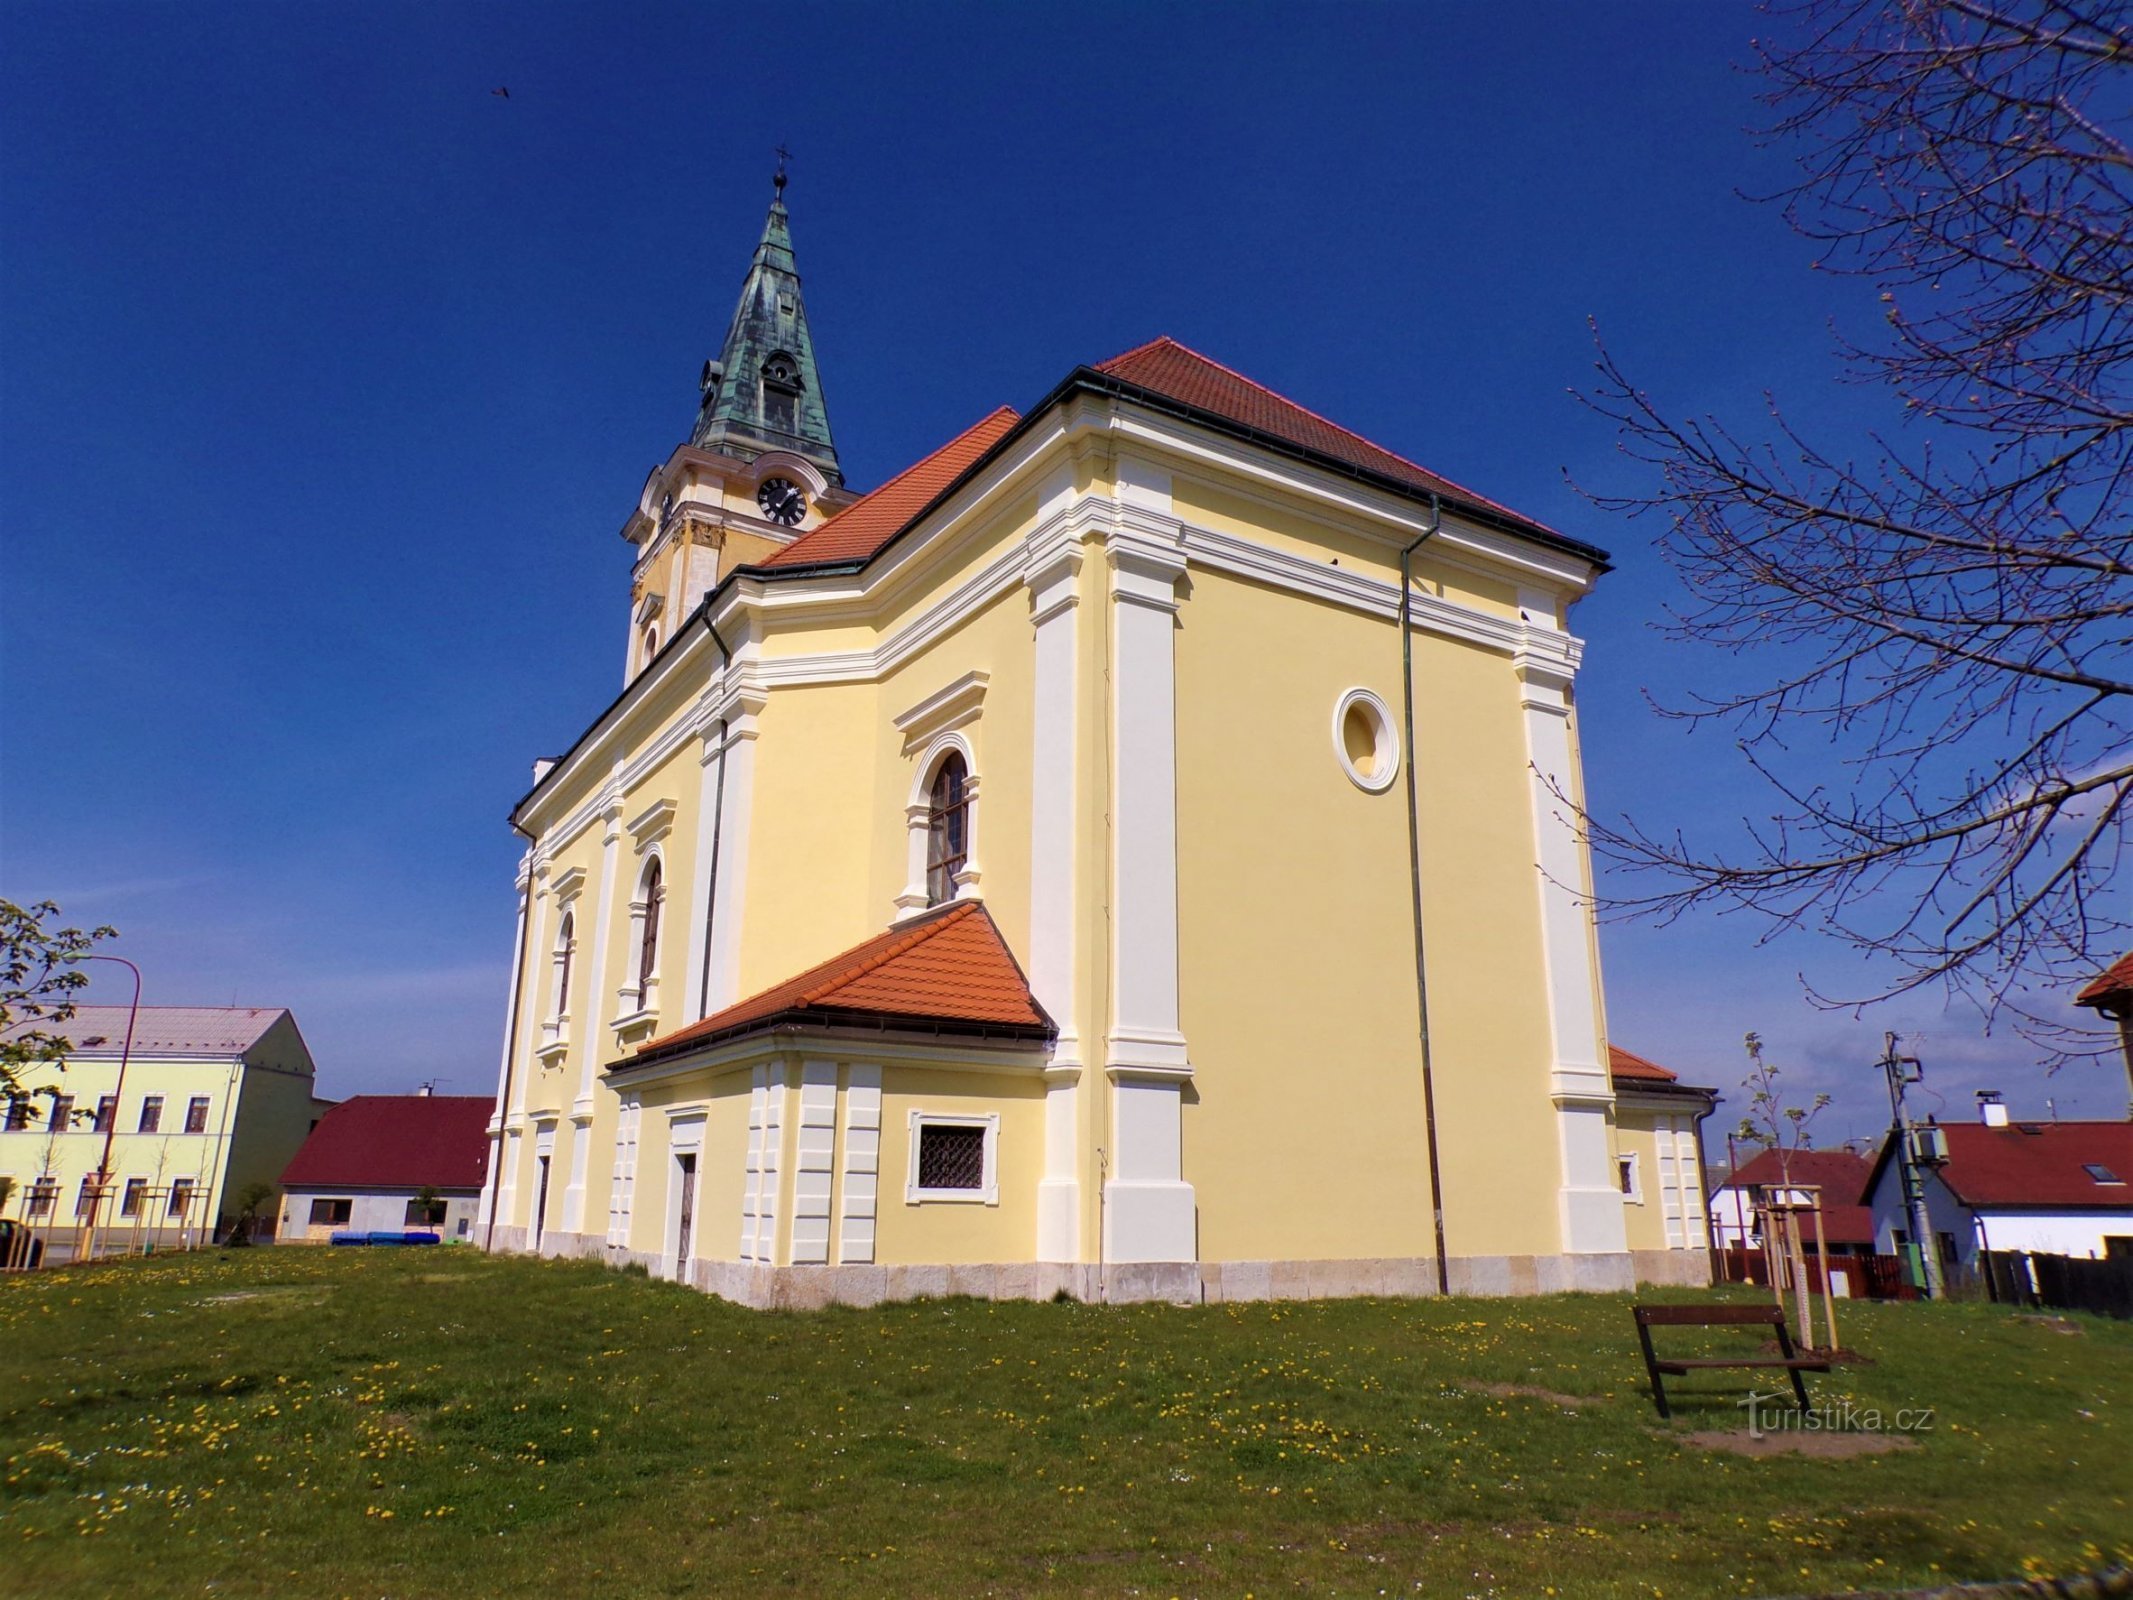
[
  {"x": 947, "y": 829},
  {"x": 151, "y": 1114},
  {"x": 422, "y": 1214},
  {"x": 181, "y": 1196},
  {"x": 2101, "y": 1173},
  {"x": 655, "y": 895},
  {"x": 106, "y": 1113},
  {"x": 651, "y": 646},
  {"x": 331, "y": 1213},
  {"x": 62, "y": 1113},
  {"x": 85, "y": 1198},
  {"x": 38, "y": 1202},
  {"x": 196, "y": 1114},
  {"x": 566, "y": 940},
  {"x": 18, "y": 1112},
  {"x": 1626, "y": 1175},
  {"x": 130, "y": 1201}
]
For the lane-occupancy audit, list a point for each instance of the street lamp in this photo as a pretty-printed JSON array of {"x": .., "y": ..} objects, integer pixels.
[{"x": 118, "y": 1095}]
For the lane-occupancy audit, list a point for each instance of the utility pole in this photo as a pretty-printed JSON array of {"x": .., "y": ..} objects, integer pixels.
[{"x": 1902, "y": 1070}]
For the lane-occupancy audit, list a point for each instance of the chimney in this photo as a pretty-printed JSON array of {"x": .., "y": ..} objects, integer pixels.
[
  {"x": 428, "y": 1088},
  {"x": 1991, "y": 1109}
]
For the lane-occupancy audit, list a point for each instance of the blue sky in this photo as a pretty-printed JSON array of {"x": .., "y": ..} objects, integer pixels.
[{"x": 327, "y": 377}]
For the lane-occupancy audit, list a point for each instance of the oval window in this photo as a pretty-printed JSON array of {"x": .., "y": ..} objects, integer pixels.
[{"x": 1364, "y": 740}]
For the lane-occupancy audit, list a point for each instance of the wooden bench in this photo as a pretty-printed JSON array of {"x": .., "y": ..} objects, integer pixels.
[{"x": 1710, "y": 1316}]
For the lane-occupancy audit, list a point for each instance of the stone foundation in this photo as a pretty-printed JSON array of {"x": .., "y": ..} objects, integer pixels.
[
  {"x": 1681, "y": 1269},
  {"x": 1122, "y": 1283}
]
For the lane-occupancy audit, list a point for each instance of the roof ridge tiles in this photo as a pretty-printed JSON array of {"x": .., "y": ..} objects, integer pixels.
[{"x": 1316, "y": 416}]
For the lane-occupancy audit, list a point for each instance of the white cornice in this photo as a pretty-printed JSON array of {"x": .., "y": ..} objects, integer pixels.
[
  {"x": 653, "y": 824},
  {"x": 944, "y": 709}
]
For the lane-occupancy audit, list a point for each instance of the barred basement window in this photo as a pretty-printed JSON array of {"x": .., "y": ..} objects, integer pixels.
[
  {"x": 951, "y": 1158},
  {"x": 954, "y": 1158}
]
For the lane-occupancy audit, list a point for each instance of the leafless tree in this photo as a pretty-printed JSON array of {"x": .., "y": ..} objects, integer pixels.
[{"x": 1948, "y": 605}]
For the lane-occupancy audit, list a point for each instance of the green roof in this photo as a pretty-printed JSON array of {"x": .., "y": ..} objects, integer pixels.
[{"x": 765, "y": 392}]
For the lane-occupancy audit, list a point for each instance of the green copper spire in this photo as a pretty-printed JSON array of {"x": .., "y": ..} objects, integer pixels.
[{"x": 763, "y": 392}]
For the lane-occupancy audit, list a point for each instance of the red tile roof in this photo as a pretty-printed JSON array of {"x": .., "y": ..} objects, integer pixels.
[
  {"x": 2114, "y": 981},
  {"x": 2039, "y": 1164},
  {"x": 862, "y": 528},
  {"x": 948, "y": 966},
  {"x": 397, "y": 1141},
  {"x": 1841, "y": 1176},
  {"x": 1621, "y": 1064},
  {"x": 1165, "y": 367}
]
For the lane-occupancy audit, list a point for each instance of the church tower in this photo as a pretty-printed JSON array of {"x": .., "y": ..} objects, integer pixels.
[{"x": 760, "y": 466}]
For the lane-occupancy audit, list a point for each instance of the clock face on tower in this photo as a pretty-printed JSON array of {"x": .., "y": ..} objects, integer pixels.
[{"x": 781, "y": 500}]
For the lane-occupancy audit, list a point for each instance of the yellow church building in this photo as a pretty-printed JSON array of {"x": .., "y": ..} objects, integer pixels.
[{"x": 1033, "y": 875}]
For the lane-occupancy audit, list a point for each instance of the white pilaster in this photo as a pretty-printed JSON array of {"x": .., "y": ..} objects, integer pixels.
[
  {"x": 1053, "y": 578},
  {"x": 740, "y": 713},
  {"x": 516, "y": 999},
  {"x": 1589, "y": 1199},
  {"x": 697, "y": 904},
  {"x": 861, "y": 1179},
  {"x": 593, "y": 1038},
  {"x": 814, "y": 1155},
  {"x": 1149, "y": 1208}
]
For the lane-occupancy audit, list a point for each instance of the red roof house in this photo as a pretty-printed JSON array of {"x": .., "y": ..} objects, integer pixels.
[
  {"x": 365, "y": 1167},
  {"x": 397, "y": 1141},
  {"x": 1843, "y": 1178},
  {"x": 2057, "y": 1188}
]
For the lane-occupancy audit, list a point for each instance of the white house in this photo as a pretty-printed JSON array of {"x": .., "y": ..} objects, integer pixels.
[{"x": 2052, "y": 1188}]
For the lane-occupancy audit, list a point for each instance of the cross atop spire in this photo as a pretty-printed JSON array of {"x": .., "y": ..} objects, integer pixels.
[{"x": 764, "y": 392}]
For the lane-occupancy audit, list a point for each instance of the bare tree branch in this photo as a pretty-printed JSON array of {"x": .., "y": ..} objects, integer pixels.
[{"x": 1950, "y": 607}]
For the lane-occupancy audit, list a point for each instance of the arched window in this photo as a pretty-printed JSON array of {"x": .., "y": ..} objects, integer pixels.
[
  {"x": 947, "y": 829},
  {"x": 655, "y": 894},
  {"x": 651, "y": 646},
  {"x": 565, "y": 943}
]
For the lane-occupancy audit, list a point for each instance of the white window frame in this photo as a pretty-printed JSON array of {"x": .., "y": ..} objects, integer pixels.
[
  {"x": 1389, "y": 754},
  {"x": 918, "y": 818},
  {"x": 1634, "y": 1194},
  {"x": 634, "y": 1002},
  {"x": 555, "y": 1027},
  {"x": 988, "y": 1193}
]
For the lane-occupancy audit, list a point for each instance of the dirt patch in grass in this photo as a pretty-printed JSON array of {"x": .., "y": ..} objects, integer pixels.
[
  {"x": 2056, "y": 1324},
  {"x": 1816, "y": 1446},
  {"x": 1505, "y": 1391},
  {"x": 271, "y": 1292}
]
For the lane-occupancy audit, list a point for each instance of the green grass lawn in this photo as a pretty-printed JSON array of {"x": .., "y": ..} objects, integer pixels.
[{"x": 410, "y": 1423}]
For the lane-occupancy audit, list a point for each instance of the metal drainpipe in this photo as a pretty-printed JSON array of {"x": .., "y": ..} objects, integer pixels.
[
  {"x": 718, "y": 824},
  {"x": 1414, "y": 878}
]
